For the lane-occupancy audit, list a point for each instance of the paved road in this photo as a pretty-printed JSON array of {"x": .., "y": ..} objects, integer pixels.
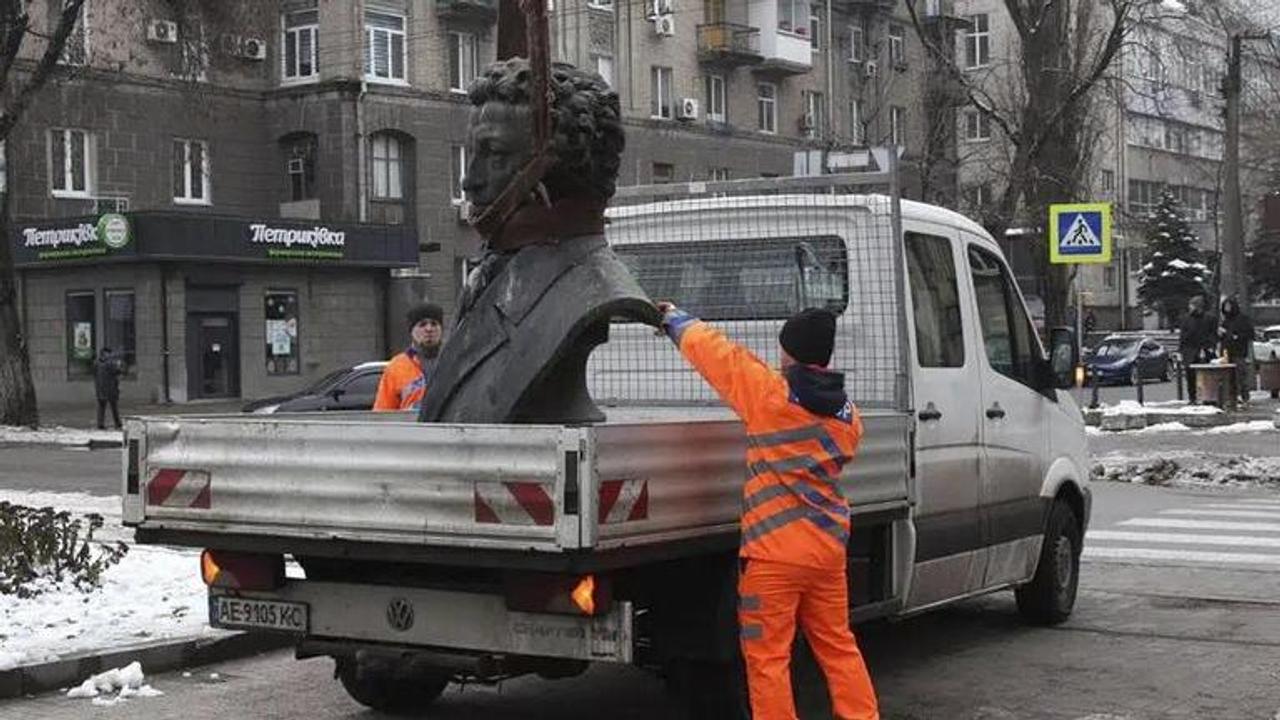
[{"x": 1178, "y": 617}]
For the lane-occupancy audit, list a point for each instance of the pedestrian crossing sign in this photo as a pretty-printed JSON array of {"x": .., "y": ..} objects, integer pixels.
[{"x": 1080, "y": 233}]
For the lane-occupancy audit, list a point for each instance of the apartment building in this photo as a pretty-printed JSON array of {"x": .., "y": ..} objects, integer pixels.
[{"x": 237, "y": 149}]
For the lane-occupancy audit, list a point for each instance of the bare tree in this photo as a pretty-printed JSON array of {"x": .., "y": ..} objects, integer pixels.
[
  {"x": 1064, "y": 50},
  {"x": 20, "y": 82}
]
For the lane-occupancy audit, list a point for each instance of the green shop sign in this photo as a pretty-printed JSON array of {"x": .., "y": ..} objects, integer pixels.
[{"x": 81, "y": 240}]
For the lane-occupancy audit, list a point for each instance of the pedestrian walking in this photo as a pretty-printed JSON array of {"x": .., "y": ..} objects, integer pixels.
[
  {"x": 801, "y": 430},
  {"x": 404, "y": 380},
  {"x": 107, "y": 369},
  {"x": 1236, "y": 335},
  {"x": 1197, "y": 338}
]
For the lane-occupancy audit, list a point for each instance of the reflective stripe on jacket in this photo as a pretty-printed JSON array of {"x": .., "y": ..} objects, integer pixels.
[
  {"x": 403, "y": 383},
  {"x": 792, "y": 508}
]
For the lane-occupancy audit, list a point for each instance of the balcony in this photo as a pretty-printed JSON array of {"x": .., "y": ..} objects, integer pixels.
[
  {"x": 486, "y": 10},
  {"x": 729, "y": 45},
  {"x": 785, "y": 53}
]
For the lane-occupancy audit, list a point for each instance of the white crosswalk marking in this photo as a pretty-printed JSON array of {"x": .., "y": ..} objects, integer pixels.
[{"x": 1221, "y": 531}]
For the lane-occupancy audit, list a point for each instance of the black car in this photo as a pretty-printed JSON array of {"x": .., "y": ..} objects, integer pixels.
[
  {"x": 1128, "y": 359},
  {"x": 349, "y": 388}
]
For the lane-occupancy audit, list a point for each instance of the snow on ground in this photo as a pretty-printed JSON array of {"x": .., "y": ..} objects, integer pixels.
[
  {"x": 153, "y": 593},
  {"x": 1168, "y": 407},
  {"x": 56, "y": 435},
  {"x": 1160, "y": 428},
  {"x": 1251, "y": 426},
  {"x": 127, "y": 682},
  {"x": 1188, "y": 469},
  {"x": 1243, "y": 427}
]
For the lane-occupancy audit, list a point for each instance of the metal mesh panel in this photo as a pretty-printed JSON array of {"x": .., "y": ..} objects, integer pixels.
[{"x": 745, "y": 263}]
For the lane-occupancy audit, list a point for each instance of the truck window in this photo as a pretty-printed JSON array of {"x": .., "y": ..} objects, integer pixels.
[
  {"x": 1006, "y": 330},
  {"x": 932, "y": 271},
  {"x": 750, "y": 279}
]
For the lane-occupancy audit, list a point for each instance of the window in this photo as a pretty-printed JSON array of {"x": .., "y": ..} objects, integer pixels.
[
  {"x": 1108, "y": 180},
  {"x": 190, "y": 171},
  {"x": 716, "y": 99},
  {"x": 70, "y": 163},
  {"x": 663, "y": 173},
  {"x": 661, "y": 103},
  {"x": 300, "y": 166},
  {"x": 720, "y": 174},
  {"x": 384, "y": 46},
  {"x": 1006, "y": 331},
  {"x": 120, "y": 333},
  {"x": 978, "y": 197},
  {"x": 604, "y": 68},
  {"x": 813, "y": 121},
  {"x": 1143, "y": 196},
  {"x": 815, "y": 30},
  {"x": 386, "y": 166},
  {"x": 363, "y": 386},
  {"x": 281, "y": 313},
  {"x": 76, "y": 51},
  {"x": 857, "y": 44},
  {"x": 600, "y": 4},
  {"x": 457, "y": 172},
  {"x": 81, "y": 346},
  {"x": 301, "y": 52},
  {"x": 4, "y": 167},
  {"x": 464, "y": 53},
  {"x": 935, "y": 301},
  {"x": 194, "y": 55},
  {"x": 744, "y": 278},
  {"x": 1109, "y": 276},
  {"x": 767, "y": 107},
  {"x": 857, "y": 129},
  {"x": 977, "y": 126},
  {"x": 898, "y": 125},
  {"x": 897, "y": 54},
  {"x": 977, "y": 42},
  {"x": 793, "y": 16}
]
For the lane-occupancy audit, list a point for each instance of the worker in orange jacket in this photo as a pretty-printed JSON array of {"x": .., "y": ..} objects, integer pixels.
[
  {"x": 801, "y": 430},
  {"x": 404, "y": 380}
]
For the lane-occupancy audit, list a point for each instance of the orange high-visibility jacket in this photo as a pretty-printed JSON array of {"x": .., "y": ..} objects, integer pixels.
[
  {"x": 793, "y": 511},
  {"x": 403, "y": 383}
]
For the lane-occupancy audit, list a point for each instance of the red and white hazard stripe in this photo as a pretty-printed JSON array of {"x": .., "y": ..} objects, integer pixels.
[
  {"x": 171, "y": 487},
  {"x": 515, "y": 503},
  {"x": 623, "y": 501}
]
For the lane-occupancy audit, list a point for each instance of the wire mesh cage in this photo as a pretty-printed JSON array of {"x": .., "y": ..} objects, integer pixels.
[{"x": 745, "y": 256}]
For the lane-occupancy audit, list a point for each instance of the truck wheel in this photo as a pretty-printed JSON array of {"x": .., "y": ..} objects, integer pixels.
[
  {"x": 389, "y": 686},
  {"x": 1051, "y": 595}
]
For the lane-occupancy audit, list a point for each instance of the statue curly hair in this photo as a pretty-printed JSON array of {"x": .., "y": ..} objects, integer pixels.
[{"x": 587, "y": 138}]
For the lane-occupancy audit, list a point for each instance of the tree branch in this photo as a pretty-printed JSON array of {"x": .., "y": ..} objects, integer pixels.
[{"x": 44, "y": 69}]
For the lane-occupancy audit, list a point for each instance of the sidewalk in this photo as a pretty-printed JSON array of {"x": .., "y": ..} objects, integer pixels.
[
  {"x": 1130, "y": 415},
  {"x": 85, "y": 415}
]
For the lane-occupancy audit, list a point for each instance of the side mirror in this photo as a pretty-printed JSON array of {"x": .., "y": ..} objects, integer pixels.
[
  {"x": 337, "y": 393},
  {"x": 1064, "y": 356}
]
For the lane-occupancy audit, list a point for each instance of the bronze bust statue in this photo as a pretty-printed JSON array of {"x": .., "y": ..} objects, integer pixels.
[{"x": 543, "y": 296}]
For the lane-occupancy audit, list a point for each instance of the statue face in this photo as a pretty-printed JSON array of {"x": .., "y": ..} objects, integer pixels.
[{"x": 499, "y": 142}]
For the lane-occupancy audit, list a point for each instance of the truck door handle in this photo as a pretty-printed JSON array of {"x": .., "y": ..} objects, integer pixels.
[
  {"x": 929, "y": 413},
  {"x": 995, "y": 412}
]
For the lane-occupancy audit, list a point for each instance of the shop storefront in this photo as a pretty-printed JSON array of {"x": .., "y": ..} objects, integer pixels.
[{"x": 203, "y": 306}]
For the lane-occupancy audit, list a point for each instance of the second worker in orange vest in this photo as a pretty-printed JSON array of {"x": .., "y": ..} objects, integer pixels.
[
  {"x": 801, "y": 430},
  {"x": 404, "y": 380}
]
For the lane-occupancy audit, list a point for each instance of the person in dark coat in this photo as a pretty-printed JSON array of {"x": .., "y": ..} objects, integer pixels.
[
  {"x": 1197, "y": 338},
  {"x": 107, "y": 370},
  {"x": 1237, "y": 340}
]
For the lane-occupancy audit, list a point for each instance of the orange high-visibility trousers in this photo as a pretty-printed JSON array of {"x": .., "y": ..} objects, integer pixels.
[{"x": 771, "y": 596}]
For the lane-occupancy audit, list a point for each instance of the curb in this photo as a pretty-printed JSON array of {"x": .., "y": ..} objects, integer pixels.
[
  {"x": 155, "y": 657},
  {"x": 84, "y": 445}
]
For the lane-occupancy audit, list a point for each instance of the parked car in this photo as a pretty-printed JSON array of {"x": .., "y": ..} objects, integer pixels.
[
  {"x": 1267, "y": 346},
  {"x": 1128, "y": 359},
  {"x": 348, "y": 388}
]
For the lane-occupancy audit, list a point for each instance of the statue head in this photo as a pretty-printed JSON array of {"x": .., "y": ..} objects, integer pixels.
[{"x": 587, "y": 137}]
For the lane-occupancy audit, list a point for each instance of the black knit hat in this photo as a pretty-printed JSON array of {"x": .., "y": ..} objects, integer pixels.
[
  {"x": 809, "y": 336},
  {"x": 425, "y": 311}
]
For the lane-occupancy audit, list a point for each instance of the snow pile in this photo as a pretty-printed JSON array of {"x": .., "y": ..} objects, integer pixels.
[
  {"x": 1170, "y": 407},
  {"x": 127, "y": 682},
  {"x": 154, "y": 593},
  {"x": 56, "y": 435},
  {"x": 1189, "y": 469},
  {"x": 1160, "y": 428},
  {"x": 1251, "y": 426}
]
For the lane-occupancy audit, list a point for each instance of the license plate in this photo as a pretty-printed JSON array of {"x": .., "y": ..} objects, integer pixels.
[{"x": 232, "y": 612}]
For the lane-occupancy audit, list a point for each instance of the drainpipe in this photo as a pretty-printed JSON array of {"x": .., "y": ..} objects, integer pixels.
[
  {"x": 362, "y": 176},
  {"x": 831, "y": 83},
  {"x": 164, "y": 333}
]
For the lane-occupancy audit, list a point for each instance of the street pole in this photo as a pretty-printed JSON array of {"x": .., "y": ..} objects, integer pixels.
[{"x": 1232, "y": 265}]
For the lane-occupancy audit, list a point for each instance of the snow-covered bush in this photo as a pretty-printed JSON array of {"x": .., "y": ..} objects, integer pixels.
[
  {"x": 1173, "y": 269},
  {"x": 41, "y": 547}
]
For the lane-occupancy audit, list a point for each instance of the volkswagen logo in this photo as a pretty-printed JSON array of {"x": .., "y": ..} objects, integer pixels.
[{"x": 400, "y": 614}]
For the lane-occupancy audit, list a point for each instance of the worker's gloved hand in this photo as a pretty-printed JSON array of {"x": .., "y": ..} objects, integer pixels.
[{"x": 674, "y": 320}]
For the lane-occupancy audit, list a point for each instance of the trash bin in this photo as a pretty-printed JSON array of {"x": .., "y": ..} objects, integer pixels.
[
  {"x": 1215, "y": 383},
  {"x": 1269, "y": 376}
]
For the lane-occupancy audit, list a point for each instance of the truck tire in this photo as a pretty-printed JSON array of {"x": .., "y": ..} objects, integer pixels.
[
  {"x": 388, "y": 686},
  {"x": 1051, "y": 595}
]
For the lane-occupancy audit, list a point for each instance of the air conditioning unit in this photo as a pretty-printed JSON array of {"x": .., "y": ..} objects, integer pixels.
[
  {"x": 870, "y": 69},
  {"x": 294, "y": 166},
  {"x": 688, "y": 109},
  {"x": 110, "y": 205},
  {"x": 464, "y": 211},
  {"x": 162, "y": 31},
  {"x": 658, "y": 8},
  {"x": 665, "y": 25},
  {"x": 807, "y": 122},
  {"x": 253, "y": 48}
]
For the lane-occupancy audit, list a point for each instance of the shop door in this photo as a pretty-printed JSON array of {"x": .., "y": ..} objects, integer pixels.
[{"x": 215, "y": 356}]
